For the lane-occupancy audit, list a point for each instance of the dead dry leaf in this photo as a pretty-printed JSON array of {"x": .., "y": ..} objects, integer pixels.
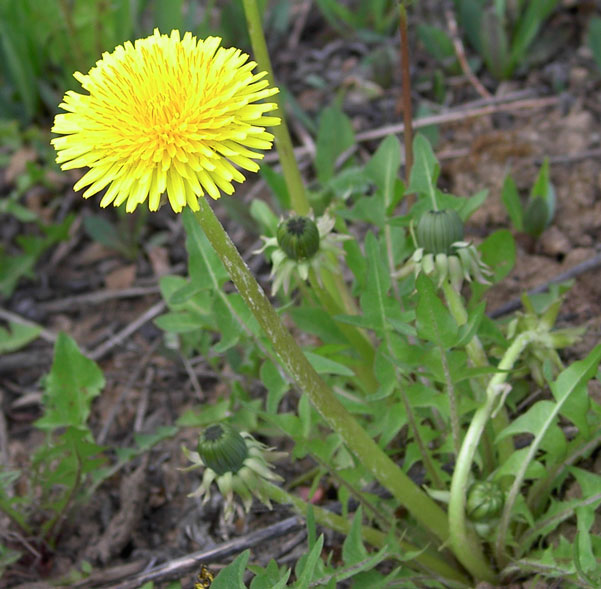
[
  {"x": 159, "y": 259},
  {"x": 18, "y": 163},
  {"x": 122, "y": 277}
]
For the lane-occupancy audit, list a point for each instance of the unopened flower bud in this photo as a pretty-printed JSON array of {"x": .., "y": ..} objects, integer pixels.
[
  {"x": 485, "y": 500},
  {"x": 222, "y": 449},
  {"x": 298, "y": 237},
  {"x": 438, "y": 230},
  {"x": 236, "y": 462},
  {"x": 536, "y": 217}
]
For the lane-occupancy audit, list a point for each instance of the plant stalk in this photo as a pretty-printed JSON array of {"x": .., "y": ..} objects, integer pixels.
[
  {"x": 463, "y": 541},
  {"x": 453, "y": 408},
  {"x": 51, "y": 532},
  {"x": 422, "y": 507},
  {"x": 477, "y": 356},
  {"x": 283, "y": 143},
  {"x": 356, "y": 337}
]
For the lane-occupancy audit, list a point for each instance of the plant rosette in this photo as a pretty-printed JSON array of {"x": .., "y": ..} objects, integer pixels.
[
  {"x": 236, "y": 462},
  {"x": 302, "y": 244}
]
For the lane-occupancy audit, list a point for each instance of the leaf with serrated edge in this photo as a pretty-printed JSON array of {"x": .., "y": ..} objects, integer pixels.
[{"x": 72, "y": 384}]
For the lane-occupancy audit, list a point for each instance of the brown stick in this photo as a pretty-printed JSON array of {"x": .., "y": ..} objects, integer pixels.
[
  {"x": 458, "y": 115},
  {"x": 510, "y": 104},
  {"x": 461, "y": 58},
  {"x": 179, "y": 567},
  {"x": 96, "y": 297},
  {"x": 406, "y": 97},
  {"x": 128, "y": 330}
]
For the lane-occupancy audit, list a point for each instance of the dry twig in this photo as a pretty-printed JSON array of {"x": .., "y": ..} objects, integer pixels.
[
  {"x": 119, "y": 337},
  {"x": 459, "y": 114},
  {"x": 508, "y": 103},
  {"x": 461, "y": 58},
  {"x": 96, "y": 297},
  {"x": 133, "y": 377},
  {"x": 299, "y": 22},
  {"x": 14, "y": 318},
  {"x": 179, "y": 567}
]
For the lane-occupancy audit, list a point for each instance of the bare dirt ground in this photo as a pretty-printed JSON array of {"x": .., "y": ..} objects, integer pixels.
[{"x": 142, "y": 516}]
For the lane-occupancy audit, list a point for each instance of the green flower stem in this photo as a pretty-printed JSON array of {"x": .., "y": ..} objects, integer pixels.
[
  {"x": 477, "y": 355},
  {"x": 453, "y": 409},
  {"x": 357, "y": 338},
  {"x": 363, "y": 369},
  {"x": 417, "y": 438},
  {"x": 339, "y": 291},
  {"x": 294, "y": 182},
  {"x": 427, "y": 560},
  {"x": 283, "y": 143},
  {"x": 337, "y": 300},
  {"x": 457, "y": 309},
  {"x": 405, "y": 491},
  {"x": 372, "y": 511},
  {"x": 464, "y": 543}
]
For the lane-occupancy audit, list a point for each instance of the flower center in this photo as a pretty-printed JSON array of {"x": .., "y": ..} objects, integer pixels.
[
  {"x": 213, "y": 433},
  {"x": 296, "y": 225}
]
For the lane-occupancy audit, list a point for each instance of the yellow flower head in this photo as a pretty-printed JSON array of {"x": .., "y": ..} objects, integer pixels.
[{"x": 165, "y": 115}]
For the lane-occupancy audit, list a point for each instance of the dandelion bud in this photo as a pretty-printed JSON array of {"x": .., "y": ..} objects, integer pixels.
[
  {"x": 236, "y": 462},
  {"x": 485, "y": 501},
  {"x": 536, "y": 217},
  {"x": 298, "y": 237},
  {"x": 222, "y": 449},
  {"x": 438, "y": 230}
]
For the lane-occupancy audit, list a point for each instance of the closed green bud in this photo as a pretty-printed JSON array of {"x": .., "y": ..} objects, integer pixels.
[
  {"x": 222, "y": 449},
  {"x": 438, "y": 230},
  {"x": 298, "y": 237},
  {"x": 536, "y": 217},
  {"x": 485, "y": 500}
]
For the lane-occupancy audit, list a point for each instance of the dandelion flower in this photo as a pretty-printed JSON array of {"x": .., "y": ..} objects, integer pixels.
[{"x": 165, "y": 115}]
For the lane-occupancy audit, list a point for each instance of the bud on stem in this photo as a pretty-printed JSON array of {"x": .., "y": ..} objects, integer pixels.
[
  {"x": 485, "y": 500},
  {"x": 298, "y": 237},
  {"x": 222, "y": 449},
  {"x": 438, "y": 230}
]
